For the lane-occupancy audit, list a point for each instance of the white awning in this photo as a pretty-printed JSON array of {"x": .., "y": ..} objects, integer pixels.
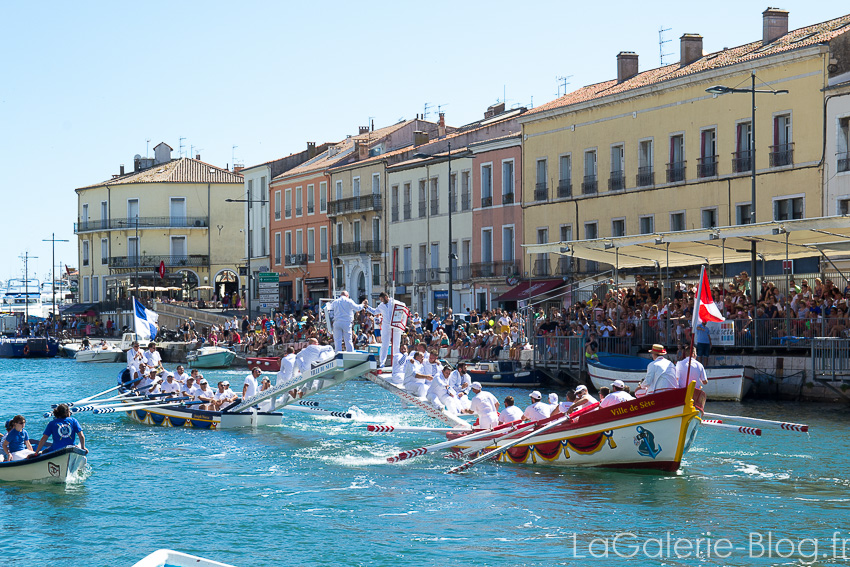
[{"x": 805, "y": 238}]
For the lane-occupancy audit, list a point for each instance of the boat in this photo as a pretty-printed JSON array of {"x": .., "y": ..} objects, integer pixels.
[
  {"x": 725, "y": 383},
  {"x": 507, "y": 373},
  {"x": 170, "y": 558},
  {"x": 28, "y": 347},
  {"x": 69, "y": 350},
  {"x": 652, "y": 432},
  {"x": 264, "y": 363},
  {"x": 211, "y": 357},
  {"x": 23, "y": 297},
  {"x": 98, "y": 353},
  {"x": 55, "y": 466}
]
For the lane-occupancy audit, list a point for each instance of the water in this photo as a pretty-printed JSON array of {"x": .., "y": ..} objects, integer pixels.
[{"x": 318, "y": 491}]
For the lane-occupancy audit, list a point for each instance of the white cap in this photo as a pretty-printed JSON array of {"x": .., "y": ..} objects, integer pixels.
[
  {"x": 618, "y": 384},
  {"x": 553, "y": 398},
  {"x": 476, "y": 385},
  {"x": 535, "y": 395},
  {"x": 581, "y": 388}
]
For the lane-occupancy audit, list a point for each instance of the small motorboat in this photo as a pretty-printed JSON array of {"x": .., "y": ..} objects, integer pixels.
[
  {"x": 264, "y": 363},
  {"x": 169, "y": 558},
  {"x": 55, "y": 466},
  {"x": 104, "y": 352},
  {"x": 507, "y": 373},
  {"x": 211, "y": 357}
]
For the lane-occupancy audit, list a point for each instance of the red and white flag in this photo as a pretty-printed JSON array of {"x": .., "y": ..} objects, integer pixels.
[{"x": 705, "y": 309}]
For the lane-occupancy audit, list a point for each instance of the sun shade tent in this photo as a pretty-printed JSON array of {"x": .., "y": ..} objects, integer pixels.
[
  {"x": 528, "y": 289},
  {"x": 805, "y": 238}
]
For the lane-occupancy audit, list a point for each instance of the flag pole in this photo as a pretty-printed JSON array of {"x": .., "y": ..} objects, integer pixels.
[{"x": 694, "y": 322}]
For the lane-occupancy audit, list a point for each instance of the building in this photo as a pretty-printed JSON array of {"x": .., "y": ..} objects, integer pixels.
[
  {"x": 161, "y": 213},
  {"x": 653, "y": 151}
]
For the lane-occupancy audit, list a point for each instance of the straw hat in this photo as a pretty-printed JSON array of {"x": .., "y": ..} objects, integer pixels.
[{"x": 658, "y": 349}]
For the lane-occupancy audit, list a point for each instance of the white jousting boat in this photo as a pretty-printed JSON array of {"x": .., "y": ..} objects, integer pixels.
[
  {"x": 169, "y": 558},
  {"x": 55, "y": 466},
  {"x": 211, "y": 357},
  {"x": 725, "y": 383},
  {"x": 98, "y": 353}
]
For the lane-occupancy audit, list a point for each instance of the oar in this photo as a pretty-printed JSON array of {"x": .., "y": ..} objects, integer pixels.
[
  {"x": 739, "y": 428},
  {"x": 787, "y": 426},
  {"x": 392, "y": 428},
  {"x": 121, "y": 385},
  {"x": 503, "y": 448},
  {"x": 318, "y": 411},
  {"x": 138, "y": 403},
  {"x": 308, "y": 403},
  {"x": 132, "y": 408},
  {"x": 436, "y": 447},
  {"x": 119, "y": 397}
]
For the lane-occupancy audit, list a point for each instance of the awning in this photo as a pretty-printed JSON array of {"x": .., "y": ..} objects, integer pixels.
[
  {"x": 80, "y": 309},
  {"x": 526, "y": 290},
  {"x": 775, "y": 240}
]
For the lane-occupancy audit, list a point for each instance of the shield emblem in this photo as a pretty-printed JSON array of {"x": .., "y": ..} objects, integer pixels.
[{"x": 53, "y": 469}]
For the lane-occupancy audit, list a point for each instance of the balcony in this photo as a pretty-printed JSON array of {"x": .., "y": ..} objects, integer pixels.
[
  {"x": 287, "y": 212},
  {"x": 541, "y": 191},
  {"x": 395, "y": 214},
  {"x": 565, "y": 189},
  {"x": 154, "y": 261},
  {"x": 362, "y": 247},
  {"x": 430, "y": 275},
  {"x": 496, "y": 269},
  {"x": 298, "y": 211},
  {"x": 676, "y": 172},
  {"x": 295, "y": 260},
  {"x": 405, "y": 277},
  {"x": 707, "y": 166},
  {"x": 565, "y": 266},
  {"x": 423, "y": 207},
  {"x": 588, "y": 186},
  {"x": 465, "y": 202},
  {"x": 461, "y": 273},
  {"x": 310, "y": 208},
  {"x": 507, "y": 198},
  {"x": 541, "y": 267},
  {"x": 617, "y": 181},
  {"x": 742, "y": 161},
  {"x": 781, "y": 155},
  {"x": 277, "y": 214},
  {"x": 435, "y": 207},
  {"x": 486, "y": 202},
  {"x": 355, "y": 205},
  {"x": 844, "y": 162},
  {"x": 645, "y": 176},
  {"x": 311, "y": 257},
  {"x": 144, "y": 223},
  {"x": 407, "y": 211}
]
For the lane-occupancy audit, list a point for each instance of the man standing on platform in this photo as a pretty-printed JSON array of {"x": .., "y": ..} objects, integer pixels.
[
  {"x": 390, "y": 334},
  {"x": 313, "y": 352},
  {"x": 660, "y": 374},
  {"x": 343, "y": 309}
]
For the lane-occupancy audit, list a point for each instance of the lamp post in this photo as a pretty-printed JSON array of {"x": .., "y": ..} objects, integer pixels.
[
  {"x": 451, "y": 205},
  {"x": 719, "y": 90},
  {"x": 250, "y": 202},
  {"x": 53, "y": 240}
]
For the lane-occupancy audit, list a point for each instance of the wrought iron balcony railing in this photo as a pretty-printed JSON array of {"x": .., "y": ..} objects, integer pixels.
[
  {"x": 362, "y": 247},
  {"x": 565, "y": 189},
  {"x": 617, "y": 181},
  {"x": 676, "y": 172},
  {"x": 154, "y": 261},
  {"x": 781, "y": 154},
  {"x": 707, "y": 166},
  {"x": 143, "y": 223},
  {"x": 742, "y": 161},
  {"x": 541, "y": 191},
  {"x": 588, "y": 186},
  {"x": 645, "y": 176},
  {"x": 371, "y": 202}
]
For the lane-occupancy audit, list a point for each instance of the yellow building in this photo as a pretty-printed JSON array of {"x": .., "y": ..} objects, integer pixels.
[
  {"x": 653, "y": 151},
  {"x": 167, "y": 211}
]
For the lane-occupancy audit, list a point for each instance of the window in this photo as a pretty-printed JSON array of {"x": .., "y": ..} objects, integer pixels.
[
  {"x": 618, "y": 227},
  {"x": 376, "y": 230},
  {"x": 132, "y": 209},
  {"x": 287, "y": 245},
  {"x": 486, "y": 185},
  {"x": 435, "y": 255},
  {"x": 277, "y": 205},
  {"x": 742, "y": 159},
  {"x": 709, "y": 218},
  {"x": 338, "y": 234},
  {"x": 565, "y": 263},
  {"x": 565, "y": 176},
  {"x": 86, "y": 289},
  {"x": 323, "y": 243},
  {"x": 541, "y": 189},
  {"x": 647, "y": 224},
  {"x": 782, "y": 150},
  {"x": 844, "y": 144},
  {"x": 617, "y": 181},
  {"x": 423, "y": 256},
  {"x": 844, "y": 206},
  {"x": 288, "y": 203},
  {"x": 394, "y": 202},
  {"x": 323, "y": 197},
  {"x": 423, "y": 203},
  {"x": 263, "y": 188},
  {"x": 250, "y": 193},
  {"x": 311, "y": 244},
  {"x": 588, "y": 186},
  {"x": 466, "y": 252},
  {"x": 104, "y": 214},
  {"x": 407, "y": 203},
  {"x": 465, "y": 201},
  {"x": 85, "y": 252},
  {"x": 376, "y": 274},
  {"x": 355, "y": 187},
  {"x": 339, "y": 190},
  {"x": 677, "y": 221},
  {"x": 298, "y": 201},
  {"x": 508, "y": 243},
  {"x": 676, "y": 166},
  {"x": 376, "y": 184},
  {"x": 299, "y": 241},
  {"x": 178, "y": 249},
  {"x": 94, "y": 289},
  {"x": 435, "y": 196},
  {"x": 507, "y": 182},
  {"x": 788, "y": 208},
  {"x": 743, "y": 214},
  {"x": 487, "y": 246},
  {"x": 132, "y": 250},
  {"x": 104, "y": 251},
  {"x": 645, "y": 176},
  {"x": 541, "y": 263},
  {"x": 277, "y": 248},
  {"x": 356, "y": 238},
  {"x": 84, "y": 213},
  {"x": 707, "y": 166},
  {"x": 310, "y": 199},
  {"x": 591, "y": 230},
  {"x": 177, "y": 211}
]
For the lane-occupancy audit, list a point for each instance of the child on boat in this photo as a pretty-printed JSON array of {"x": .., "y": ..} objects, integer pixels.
[{"x": 16, "y": 443}]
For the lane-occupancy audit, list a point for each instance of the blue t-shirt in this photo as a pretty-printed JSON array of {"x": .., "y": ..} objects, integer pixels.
[
  {"x": 63, "y": 431},
  {"x": 702, "y": 335},
  {"x": 17, "y": 440}
]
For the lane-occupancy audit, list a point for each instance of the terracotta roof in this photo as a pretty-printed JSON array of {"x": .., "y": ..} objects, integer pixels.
[
  {"x": 796, "y": 39},
  {"x": 182, "y": 170}
]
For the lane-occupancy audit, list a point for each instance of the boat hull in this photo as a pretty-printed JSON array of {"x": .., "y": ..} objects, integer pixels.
[
  {"x": 725, "y": 383},
  {"x": 264, "y": 363},
  {"x": 220, "y": 359},
  {"x": 201, "y": 419},
  {"x": 55, "y": 466},
  {"x": 28, "y": 347},
  {"x": 169, "y": 558},
  {"x": 98, "y": 355}
]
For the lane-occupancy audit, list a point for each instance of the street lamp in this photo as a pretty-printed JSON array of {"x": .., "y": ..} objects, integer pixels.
[
  {"x": 250, "y": 202},
  {"x": 54, "y": 240},
  {"x": 720, "y": 90},
  {"x": 451, "y": 205}
]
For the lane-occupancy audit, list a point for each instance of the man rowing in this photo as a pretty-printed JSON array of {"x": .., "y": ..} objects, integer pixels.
[
  {"x": 399, "y": 359},
  {"x": 459, "y": 383},
  {"x": 690, "y": 369},
  {"x": 537, "y": 410},
  {"x": 312, "y": 353},
  {"x": 415, "y": 379},
  {"x": 485, "y": 406},
  {"x": 618, "y": 395}
]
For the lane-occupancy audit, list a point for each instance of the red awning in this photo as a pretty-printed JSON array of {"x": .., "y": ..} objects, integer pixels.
[{"x": 529, "y": 289}]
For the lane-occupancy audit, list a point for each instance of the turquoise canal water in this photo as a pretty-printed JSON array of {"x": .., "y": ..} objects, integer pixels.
[{"x": 317, "y": 491}]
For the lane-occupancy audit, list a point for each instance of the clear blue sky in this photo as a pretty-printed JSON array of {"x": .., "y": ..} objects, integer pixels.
[{"x": 85, "y": 84}]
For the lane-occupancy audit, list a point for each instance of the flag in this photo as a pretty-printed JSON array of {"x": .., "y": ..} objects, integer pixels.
[
  {"x": 705, "y": 309},
  {"x": 144, "y": 321}
]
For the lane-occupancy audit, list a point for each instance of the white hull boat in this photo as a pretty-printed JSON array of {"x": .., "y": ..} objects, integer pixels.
[
  {"x": 99, "y": 354},
  {"x": 55, "y": 466},
  {"x": 169, "y": 558},
  {"x": 211, "y": 357},
  {"x": 725, "y": 383}
]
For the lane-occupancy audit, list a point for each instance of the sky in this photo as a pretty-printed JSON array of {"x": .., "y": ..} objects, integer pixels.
[{"x": 85, "y": 85}]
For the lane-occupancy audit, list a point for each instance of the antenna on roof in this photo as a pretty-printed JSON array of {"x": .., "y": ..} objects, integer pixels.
[
  {"x": 147, "y": 145},
  {"x": 661, "y": 42},
  {"x": 180, "y": 151},
  {"x": 425, "y": 112},
  {"x": 565, "y": 83},
  {"x": 440, "y": 108}
]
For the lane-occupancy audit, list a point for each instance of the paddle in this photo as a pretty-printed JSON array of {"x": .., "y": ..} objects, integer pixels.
[
  {"x": 420, "y": 403},
  {"x": 132, "y": 408},
  {"x": 137, "y": 403},
  {"x": 502, "y": 449},
  {"x": 392, "y": 428},
  {"x": 318, "y": 411},
  {"x": 436, "y": 447},
  {"x": 787, "y": 426},
  {"x": 121, "y": 385},
  {"x": 739, "y": 428}
]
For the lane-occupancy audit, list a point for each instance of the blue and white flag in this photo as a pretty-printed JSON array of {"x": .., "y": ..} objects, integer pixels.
[{"x": 145, "y": 321}]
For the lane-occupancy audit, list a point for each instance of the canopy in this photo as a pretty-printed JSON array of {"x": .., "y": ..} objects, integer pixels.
[
  {"x": 529, "y": 289},
  {"x": 804, "y": 237}
]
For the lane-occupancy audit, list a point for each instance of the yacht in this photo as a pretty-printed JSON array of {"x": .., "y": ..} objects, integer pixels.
[{"x": 23, "y": 296}]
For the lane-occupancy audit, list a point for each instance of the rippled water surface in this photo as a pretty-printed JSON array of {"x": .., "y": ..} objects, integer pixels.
[{"x": 318, "y": 491}]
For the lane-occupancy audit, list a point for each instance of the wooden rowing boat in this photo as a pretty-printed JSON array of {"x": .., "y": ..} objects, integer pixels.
[{"x": 55, "y": 466}]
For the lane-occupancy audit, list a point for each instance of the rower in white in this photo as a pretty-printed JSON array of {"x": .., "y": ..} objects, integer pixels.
[
  {"x": 459, "y": 383},
  {"x": 696, "y": 373},
  {"x": 660, "y": 374},
  {"x": 414, "y": 376},
  {"x": 511, "y": 412},
  {"x": 313, "y": 352},
  {"x": 399, "y": 361},
  {"x": 537, "y": 410},
  {"x": 343, "y": 310},
  {"x": 485, "y": 406}
]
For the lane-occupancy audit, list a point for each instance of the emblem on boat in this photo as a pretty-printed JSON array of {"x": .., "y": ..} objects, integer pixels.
[
  {"x": 53, "y": 469},
  {"x": 645, "y": 442}
]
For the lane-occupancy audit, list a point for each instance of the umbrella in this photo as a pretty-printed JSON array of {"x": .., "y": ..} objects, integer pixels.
[{"x": 205, "y": 287}]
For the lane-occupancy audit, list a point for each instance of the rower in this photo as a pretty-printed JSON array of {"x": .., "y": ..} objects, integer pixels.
[
  {"x": 189, "y": 387},
  {"x": 412, "y": 372},
  {"x": 691, "y": 369},
  {"x": 153, "y": 358},
  {"x": 583, "y": 398},
  {"x": 537, "y": 410},
  {"x": 459, "y": 381},
  {"x": 434, "y": 370},
  {"x": 618, "y": 395},
  {"x": 206, "y": 395},
  {"x": 224, "y": 395},
  {"x": 660, "y": 374},
  {"x": 399, "y": 359},
  {"x": 64, "y": 429},
  {"x": 485, "y": 406},
  {"x": 511, "y": 412},
  {"x": 171, "y": 387},
  {"x": 180, "y": 374}
]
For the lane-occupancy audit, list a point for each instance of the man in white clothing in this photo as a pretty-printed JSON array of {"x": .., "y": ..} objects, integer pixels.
[
  {"x": 399, "y": 360},
  {"x": 459, "y": 381},
  {"x": 437, "y": 385},
  {"x": 134, "y": 357},
  {"x": 180, "y": 374},
  {"x": 537, "y": 410},
  {"x": 224, "y": 396},
  {"x": 343, "y": 309},
  {"x": 312, "y": 353},
  {"x": 618, "y": 395},
  {"x": 152, "y": 357},
  {"x": 415, "y": 379},
  {"x": 660, "y": 374},
  {"x": 485, "y": 406},
  {"x": 696, "y": 373},
  {"x": 249, "y": 387},
  {"x": 171, "y": 387},
  {"x": 511, "y": 412},
  {"x": 390, "y": 335}
]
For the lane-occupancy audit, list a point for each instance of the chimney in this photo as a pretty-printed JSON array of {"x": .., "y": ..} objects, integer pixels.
[
  {"x": 691, "y": 48},
  {"x": 494, "y": 110},
  {"x": 238, "y": 168},
  {"x": 775, "y": 24},
  {"x": 362, "y": 150},
  {"x": 363, "y": 130},
  {"x": 137, "y": 163},
  {"x": 627, "y": 65},
  {"x": 198, "y": 157},
  {"x": 420, "y": 137},
  {"x": 121, "y": 169},
  {"x": 311, "y": 150},
  {"x": 441, "y": 126}
]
